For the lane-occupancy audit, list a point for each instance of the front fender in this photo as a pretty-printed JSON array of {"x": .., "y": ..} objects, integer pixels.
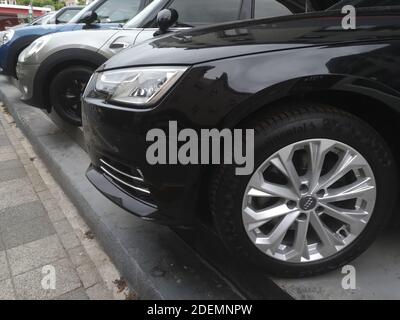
[
  {"x": 9, "y": 53},
  {"x": 368, "y": 69},
  {"x": 309, "y": 85}
]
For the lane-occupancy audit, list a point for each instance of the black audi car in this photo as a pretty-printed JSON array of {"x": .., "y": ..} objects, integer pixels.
[{"x": 324, "y": 105}]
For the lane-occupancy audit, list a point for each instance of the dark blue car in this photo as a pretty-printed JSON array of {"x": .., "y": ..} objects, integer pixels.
[{"x": 100, "y": 14}]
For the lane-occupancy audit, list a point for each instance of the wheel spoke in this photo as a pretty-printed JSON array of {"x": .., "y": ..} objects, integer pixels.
[
  {"x": 354, "y": 218},
  {"x": 327, "y": 237},
  {"x": 362, "y": 188},
  {"x": 275, "y": 238},
  {"x": 300, "y": 245},
  {"x": 261, "y": 188},
  {"x": 283, "y": 162},
  {"x": 255, "y": 219},
  {"x": 317, "y": 152},
  {"x": 349, "y": 161}
]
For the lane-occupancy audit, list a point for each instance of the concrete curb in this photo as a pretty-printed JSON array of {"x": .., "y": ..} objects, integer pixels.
[{"x": 154, "y": 260}]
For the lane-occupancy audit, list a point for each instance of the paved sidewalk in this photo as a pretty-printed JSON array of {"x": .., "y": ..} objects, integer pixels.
[{"x": 40, "y": 227}]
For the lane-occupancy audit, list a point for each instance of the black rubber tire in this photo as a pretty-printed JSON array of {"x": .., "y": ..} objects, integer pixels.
[
  {"x": 276, "y": 130},
  {"x": 71, "y": 77}
]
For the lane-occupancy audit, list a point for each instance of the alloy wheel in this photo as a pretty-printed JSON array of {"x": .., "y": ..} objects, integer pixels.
[
  {"x": 71, "y": 97},
  {"x": 309, "y": 200}
]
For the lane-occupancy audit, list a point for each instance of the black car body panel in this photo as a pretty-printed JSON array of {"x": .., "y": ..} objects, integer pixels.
[{"x": 230, "y": 78}]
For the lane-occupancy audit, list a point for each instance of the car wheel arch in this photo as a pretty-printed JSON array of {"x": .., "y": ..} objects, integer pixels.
[
  {"x": 61, "y": 60},
  {"x": 16, "y": 49},
  {"x": 363, "y": 102}
]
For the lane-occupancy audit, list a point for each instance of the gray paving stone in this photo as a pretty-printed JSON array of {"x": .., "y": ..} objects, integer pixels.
[
  {"x": 37, "y": 182},
  {"x": 63, "y": 226},
  {"x": 10, "y": 164},
  {"x": 11, "y": 174},
  {"x": 35, "y": 254},
  {"x": 4, "y": 273},
  {"x": 2, "y": 247},
  {"x": 39, "y": 186},
  {"x": 17, "y": 215},
  {"x": 16, "y": 192},
  {"x": 69, "y": 240},
  {"x": 50, "y": 204},
  {"x": 79, "y": 256},
  {"x": 29, "y": 285},
  {"x": 98, "y": 292},
  {"x": 78, "y": 294},
  {"x": 45, "y": 195},
  {"x": 88, "y": 275},
  {"x": 4, "y": 140},
  {"x": 6, "y": 149},
  {"x": 6, "y": 290},
  {"x": 56, "y": 215},
  {"x": 26, "y": 232},
  {"x": 8, "y": 156}
]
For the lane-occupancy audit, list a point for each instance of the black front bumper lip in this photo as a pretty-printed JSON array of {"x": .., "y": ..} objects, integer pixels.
[
  {"x": 120, "y": 198},
  {"x": 127, "y": 202}
]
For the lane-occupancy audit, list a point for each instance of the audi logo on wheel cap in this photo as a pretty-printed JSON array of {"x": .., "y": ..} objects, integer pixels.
[{"x": 308, "y": 203}]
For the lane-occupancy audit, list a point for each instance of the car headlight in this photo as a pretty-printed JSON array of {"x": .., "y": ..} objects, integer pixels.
[
  {"x": 33, "y": 48},
  {"x": 138, "y": 86},
  {"x": 6, "y": 36}
]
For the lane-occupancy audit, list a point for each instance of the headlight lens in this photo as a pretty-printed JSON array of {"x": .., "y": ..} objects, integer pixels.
[
  {"x": 138, "y": 86},
  {"x": 33, "y": 48},
  {"x": 6, "y": 36}
]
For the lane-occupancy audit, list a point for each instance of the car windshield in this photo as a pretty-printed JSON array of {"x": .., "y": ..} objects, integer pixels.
[
  {"x": 139, "y": 20},
  {"x": 44, "y": 19},
  {"x": 111, "y": 11},
  {"x": 89, "y": 7},
  {"x": 365, "y": 3}
]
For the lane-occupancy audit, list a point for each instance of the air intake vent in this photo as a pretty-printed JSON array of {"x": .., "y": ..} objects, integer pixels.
[{"x": 130, "y": 180}]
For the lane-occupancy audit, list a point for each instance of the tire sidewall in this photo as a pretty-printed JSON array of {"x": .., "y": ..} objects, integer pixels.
[{"x": 60, "y": 81}]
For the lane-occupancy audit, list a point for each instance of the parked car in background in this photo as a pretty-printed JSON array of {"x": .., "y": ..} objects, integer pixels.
[
  {"x": 100, "y": 14},
  {"x": 325, "y": 106},
  {"x": 54, "y": 70},
  {"x": 64, "y": 15}
]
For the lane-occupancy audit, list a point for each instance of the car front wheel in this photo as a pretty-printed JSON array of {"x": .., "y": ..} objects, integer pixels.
[
  {"x": 66, "y": 91},
  {"x": 323, "y": 187}
]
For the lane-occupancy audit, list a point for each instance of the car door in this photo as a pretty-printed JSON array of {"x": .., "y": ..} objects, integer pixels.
[{"x": 195, "y": 13}]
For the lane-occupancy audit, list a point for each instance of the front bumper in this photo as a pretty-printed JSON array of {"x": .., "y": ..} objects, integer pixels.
[
  {"x": 3, "y": 59},
  {"x": 26, "y": 76},
  {"x": 117, "y": 146}
]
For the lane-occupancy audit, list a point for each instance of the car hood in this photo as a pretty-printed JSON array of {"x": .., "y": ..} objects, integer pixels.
[
  {"x": 43, "y": 29},
  {"x": 257, "y": 36}
]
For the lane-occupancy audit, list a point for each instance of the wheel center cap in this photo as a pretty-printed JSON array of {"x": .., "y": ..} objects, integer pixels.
[{"x": 307, "y": 203}]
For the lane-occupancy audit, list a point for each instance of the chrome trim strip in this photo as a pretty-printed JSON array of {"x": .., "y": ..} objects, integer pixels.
[
  {"x": 123, "y": 182},
  {"x": 120, "y": 172}
]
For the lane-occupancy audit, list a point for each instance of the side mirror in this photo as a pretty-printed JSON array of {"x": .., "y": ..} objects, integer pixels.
[
  {"x": 89, "y": 17},
  {"x": 165, "y": 19}
]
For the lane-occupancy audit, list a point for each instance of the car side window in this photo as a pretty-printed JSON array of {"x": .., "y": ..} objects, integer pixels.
[
  {"x": 366, "y": 4},
  {"x": 117, "y": 11},
  {"x": 204, "y": 12},
  {"x": 275, "y": 8},
  {"x": 67, "y": 15}
]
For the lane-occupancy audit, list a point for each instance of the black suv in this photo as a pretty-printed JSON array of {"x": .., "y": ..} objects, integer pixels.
[{"x": 324, "y": 104}]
